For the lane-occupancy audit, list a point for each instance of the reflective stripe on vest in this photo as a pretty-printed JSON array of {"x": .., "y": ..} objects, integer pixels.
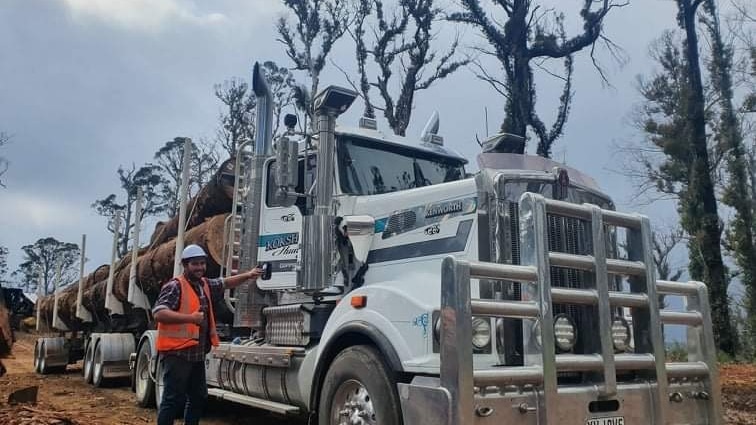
[{"x": 176, "y": 336}]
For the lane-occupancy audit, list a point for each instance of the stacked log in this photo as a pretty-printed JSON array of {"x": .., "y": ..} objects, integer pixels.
[{"x": 207, "y": 212}]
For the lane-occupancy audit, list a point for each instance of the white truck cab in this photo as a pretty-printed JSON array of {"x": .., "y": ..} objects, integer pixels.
[{"x": 406, "y": 291}]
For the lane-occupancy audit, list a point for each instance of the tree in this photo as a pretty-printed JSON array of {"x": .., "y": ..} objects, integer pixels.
[
  {"x": 700, "y": 216},
  {"x": 4, "y": 163},
  {"x": 737, "y": 193},
  {"x": 316, "y": 23},
  {"x": 147, "y": 177},
  {"x": 169, "y": 159},
  {"x": 522, "y": 37},
  {"x": 3, "y": 265},
  {"x": 400, "y": 46},
  {"x": 237, "y": 120},
  {"x": 674, "y": 117},
  {"x": 41, "y": 261}
]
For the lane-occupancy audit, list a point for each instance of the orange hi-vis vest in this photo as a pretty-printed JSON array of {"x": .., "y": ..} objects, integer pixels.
[{"x": 177, "y": 336}]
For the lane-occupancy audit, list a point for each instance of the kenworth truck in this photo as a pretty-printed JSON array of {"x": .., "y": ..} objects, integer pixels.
[{"x": 404, "y": 290}]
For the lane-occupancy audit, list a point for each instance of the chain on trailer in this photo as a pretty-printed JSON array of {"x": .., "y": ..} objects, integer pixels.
[{"x": 466, "y": 392}]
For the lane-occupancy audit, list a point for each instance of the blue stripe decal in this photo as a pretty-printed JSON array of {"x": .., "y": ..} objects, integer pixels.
[
  {"x": 380, "y": 225},
  {"x": 451, "y": 244}
]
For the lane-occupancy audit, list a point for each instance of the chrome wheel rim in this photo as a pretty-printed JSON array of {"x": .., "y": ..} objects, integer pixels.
[{"x": 352, "y": 405}]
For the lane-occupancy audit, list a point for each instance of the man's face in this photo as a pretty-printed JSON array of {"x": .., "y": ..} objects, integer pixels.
[{"x": 194, "y": 268}]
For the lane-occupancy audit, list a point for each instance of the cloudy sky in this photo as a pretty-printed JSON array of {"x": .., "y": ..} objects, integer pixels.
[{"x": 88, "y": 85}]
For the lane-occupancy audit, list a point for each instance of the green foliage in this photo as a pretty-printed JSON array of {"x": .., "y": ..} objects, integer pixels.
[
  {"x": 677, "y": 352},
  {"x": 3, "y": 264},
  {"x": 169, "y": 159},
  {"x": 237, "y": 120},
  {"x": 148, "y": 178},
  {"x": 41, "y": 260}
]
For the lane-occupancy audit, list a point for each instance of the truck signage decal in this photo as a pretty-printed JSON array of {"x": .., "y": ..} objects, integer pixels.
[
  {"x": 446, "y": 245},
  {"x": 444, "y": 209},
  {"x": 403, "y": 221},
  {"x": 280, "y": 244}
]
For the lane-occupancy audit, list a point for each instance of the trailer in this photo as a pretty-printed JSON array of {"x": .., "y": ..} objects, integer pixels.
[{"x": 405, "y": 290}]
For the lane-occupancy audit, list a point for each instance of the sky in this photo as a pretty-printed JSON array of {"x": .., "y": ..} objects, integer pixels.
[{"x": 88, "y": 85}]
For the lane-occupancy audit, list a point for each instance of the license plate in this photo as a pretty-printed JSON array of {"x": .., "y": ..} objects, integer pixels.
[{"x": 613, "y": 420}]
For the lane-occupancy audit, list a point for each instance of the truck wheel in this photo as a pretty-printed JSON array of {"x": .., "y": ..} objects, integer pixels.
[
  {"x": 88, "y": 361},
  {"x": 38, "y": 356},
  {"x": 159, "y": 383},
  {"x": 359, "y": 389},
  {"x": 97, "y": 366},
  {"x": 145, "y": 386}
]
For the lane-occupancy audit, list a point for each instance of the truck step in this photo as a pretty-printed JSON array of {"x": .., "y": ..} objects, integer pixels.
[{"x": 272, "y": 406}]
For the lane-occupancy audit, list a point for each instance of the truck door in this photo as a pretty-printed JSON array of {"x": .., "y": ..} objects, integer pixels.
[{"x": 280, "y": 232}]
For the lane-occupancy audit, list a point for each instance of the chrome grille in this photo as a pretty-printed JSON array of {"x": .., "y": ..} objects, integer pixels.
[{"x": 572, "y": 236}]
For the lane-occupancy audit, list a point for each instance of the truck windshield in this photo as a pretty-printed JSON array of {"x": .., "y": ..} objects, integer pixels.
[{"x": 371, "y": 168}]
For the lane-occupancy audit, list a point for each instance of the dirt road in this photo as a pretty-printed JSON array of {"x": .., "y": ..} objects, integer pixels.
[
  {"x": 67, "y": 398},
  {"x": 70, "y": 400}
]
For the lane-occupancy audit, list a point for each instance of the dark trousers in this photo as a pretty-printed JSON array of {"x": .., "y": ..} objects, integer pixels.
[{"x": 184, "y": 389}]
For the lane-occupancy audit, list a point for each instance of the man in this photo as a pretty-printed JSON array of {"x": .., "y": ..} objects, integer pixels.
[{"x": 186, "y": 333}]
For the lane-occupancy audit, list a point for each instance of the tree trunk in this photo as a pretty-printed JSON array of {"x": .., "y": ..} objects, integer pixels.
[{"x": 699, "y": 204}]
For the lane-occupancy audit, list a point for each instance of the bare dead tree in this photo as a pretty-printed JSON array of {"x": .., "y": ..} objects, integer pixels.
[
  {"x": 664, "y": 241},
  {"x": 316, "y": 23},
  {"x": 527, "y": 38},
  {"x": 401, "y": 48}
]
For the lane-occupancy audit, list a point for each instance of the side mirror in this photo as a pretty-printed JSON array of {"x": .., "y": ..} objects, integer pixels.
[{"x": 287, "y": 171}]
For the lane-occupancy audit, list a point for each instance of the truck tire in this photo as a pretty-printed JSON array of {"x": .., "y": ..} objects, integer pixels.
[
  {"x": 38, "y": 356},
  {"x": 97, "y": 366},
  {"x": 159, "y": 383},
  {"x": 359, "y": 389},
  {"x": 89, "y": 361},
  {"x": 47, "y": 347},
  {"x": 143, "y": 383}
]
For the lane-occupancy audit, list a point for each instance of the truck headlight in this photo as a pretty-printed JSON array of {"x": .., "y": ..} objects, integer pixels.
[
  {"x": 565, "y": 333},
  {"x": 620, "y": 334},
  {"x": 481, "y": 332}
]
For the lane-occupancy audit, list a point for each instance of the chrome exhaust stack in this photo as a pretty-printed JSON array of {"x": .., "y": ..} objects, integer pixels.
[
  {"x": 318, "y": 246},
  {"x": 250, "y": 301}
]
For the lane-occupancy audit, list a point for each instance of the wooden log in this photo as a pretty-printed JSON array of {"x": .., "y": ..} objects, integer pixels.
[
  {"x": 213, "y": 199},
  {"x": 154, "y": 268}
]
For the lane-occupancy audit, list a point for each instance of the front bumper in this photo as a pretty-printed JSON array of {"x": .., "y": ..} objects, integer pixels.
[{"x": 424, "y": 401}]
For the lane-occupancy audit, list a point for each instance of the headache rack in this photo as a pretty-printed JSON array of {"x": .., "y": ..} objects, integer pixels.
[{"x": 464, "y": 384}]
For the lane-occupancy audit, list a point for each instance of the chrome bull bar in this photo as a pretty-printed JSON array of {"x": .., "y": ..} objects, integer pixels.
[{"x": 464, "y": 385}]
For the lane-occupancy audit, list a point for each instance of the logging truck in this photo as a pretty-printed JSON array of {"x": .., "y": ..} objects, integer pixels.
[{"x": 405, "y": 290}]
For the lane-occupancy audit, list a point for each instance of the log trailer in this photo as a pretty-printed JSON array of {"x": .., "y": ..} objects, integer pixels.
[{"x": 405, "y": 290}]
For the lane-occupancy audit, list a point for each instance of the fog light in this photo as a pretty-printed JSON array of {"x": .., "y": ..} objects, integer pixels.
[
  {"x": 565, "y": 333},
  {"x": 481, "y": 332},
  {"x": 620, "y": 334}
]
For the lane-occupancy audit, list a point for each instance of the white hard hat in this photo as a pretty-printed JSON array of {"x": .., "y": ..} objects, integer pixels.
[{"x": 192, "y": 251}]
